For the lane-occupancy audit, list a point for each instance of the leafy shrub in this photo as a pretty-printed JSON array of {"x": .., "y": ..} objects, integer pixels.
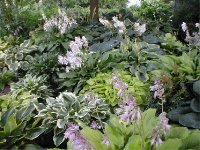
[
  {"x": 33, "y": 84},
  {"x": 102, "y": 85},
  {"x": 17, "y": 126},
  {"x": 66, "y": 108},
  {"x": 188, "y": 113}
]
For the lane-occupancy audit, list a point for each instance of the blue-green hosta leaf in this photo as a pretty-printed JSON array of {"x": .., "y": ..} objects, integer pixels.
[
  {"x": 196, "y": 87},
  {"x": 195, "y": 105},
  {"x": 190, "y": 120}
]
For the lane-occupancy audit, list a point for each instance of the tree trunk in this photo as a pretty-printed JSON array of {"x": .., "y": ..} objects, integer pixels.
[{"x": 94, "y": 11}]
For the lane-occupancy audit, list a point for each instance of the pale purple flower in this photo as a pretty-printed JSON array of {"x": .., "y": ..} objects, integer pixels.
[
  {"x": 119, "y": 84},
  {"x": 106, "y": 141},
  {"x": 78, "y": 142},
  {"x": 160, "y": 130},
  {"x": 73, "y": 59},
  {"x": 105, "y": 22},
  {"x": 95, "y": 125},
  {"x": 197, "y": 25},
  {"x": 128, "y": 110},
  {"x": 158, "y": 90},
  {"x": 62, "y": 60}
]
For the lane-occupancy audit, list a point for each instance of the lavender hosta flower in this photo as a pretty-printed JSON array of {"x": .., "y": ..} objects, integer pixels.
[
  {"x": 158, "y": 90},
  {"x": 95, "y": 125},
  {"x": 164, "y": 123},
  {"x": 160, "y": 130},
  {"x": 105, "y": 141},
  {"x": 184, "y": 27},
  {"x": 78, "y": 142},
  {"x": 140, "y": 29},
  {"x": 62, "y": 60},
  {"x": 128, "y": 110},
  {"x": 119, "y": 84},
  {"x": 156, "y": 138}
]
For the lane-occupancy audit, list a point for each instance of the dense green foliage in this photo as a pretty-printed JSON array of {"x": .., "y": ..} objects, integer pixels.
[{"x": 65, "y": 81}]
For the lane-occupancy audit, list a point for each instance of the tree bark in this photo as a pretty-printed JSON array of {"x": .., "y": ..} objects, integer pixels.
[{"x": 94, "y": 11}]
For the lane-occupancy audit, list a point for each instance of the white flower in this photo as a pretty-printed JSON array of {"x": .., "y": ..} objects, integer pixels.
[
  {"x": 119, "y": 25},
  {"x": 105, "y": 22},
  {"x": 197, "y": 25},
  {"x": 184, "y": 26},
  {"x": 60, "y": 21},
  {"x": 140, "y": 29},
  {"x": 136, "y": 3}
]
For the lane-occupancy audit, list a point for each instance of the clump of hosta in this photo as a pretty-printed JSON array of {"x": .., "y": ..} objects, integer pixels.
[
  {"x": 67, "y": 107},
  {"x": 73, "y": 59},
  {"x": 193, "y": 40},
  {"x": 160, "y": 130},
  {"x": 61, "y": 21}
]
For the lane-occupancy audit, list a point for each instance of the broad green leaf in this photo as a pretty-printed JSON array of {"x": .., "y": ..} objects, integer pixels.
[
  {"x": 178, "y": 132},
  {"x": 10, "y": 125},
  {"x": 134, "y": 143},
  {"x": 171, "y": 144},
  {"x": 34, "y": 133},
  {"x": 94, "y": 137}
]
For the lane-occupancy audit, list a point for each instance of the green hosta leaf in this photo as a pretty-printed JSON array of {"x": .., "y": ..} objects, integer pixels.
[
  {"x": 10, "y": 125},
  {"x": 114, "y": 136},
  {"x": 58, "y": 139},
  {"x": 134, "y": 143},
  {"x": 94, "y": 137},
  {"x": 171, "y": 144},
  {"x": 33, "y": 147},
  {"x": 34, "y": 133},
  {"x": 149, "y": 121},
  {"x": 178, "y": 132},
  {"x": 6, "y": 115},
  {"x": 192, "y": 142},
  {"x": 61, "y": 123}
]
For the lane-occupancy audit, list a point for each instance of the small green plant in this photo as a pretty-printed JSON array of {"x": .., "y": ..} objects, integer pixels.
[
  {"x": 66, "y": 108},
  {"x": 33, "y": 84},
  {"x": 102, "y": 85}
]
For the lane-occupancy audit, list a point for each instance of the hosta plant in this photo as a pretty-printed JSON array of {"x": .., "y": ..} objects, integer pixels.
[
  {"x": 33, "y": 84},
  {"x": 188, "y": 113},
  {"x": 102, "y": 85},
  {"x": 66, "y": 108},
  {"x": 18, "y": 126}
]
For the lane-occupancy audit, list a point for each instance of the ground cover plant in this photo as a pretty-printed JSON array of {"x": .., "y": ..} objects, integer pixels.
[{"x": 91, "y": 75}]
